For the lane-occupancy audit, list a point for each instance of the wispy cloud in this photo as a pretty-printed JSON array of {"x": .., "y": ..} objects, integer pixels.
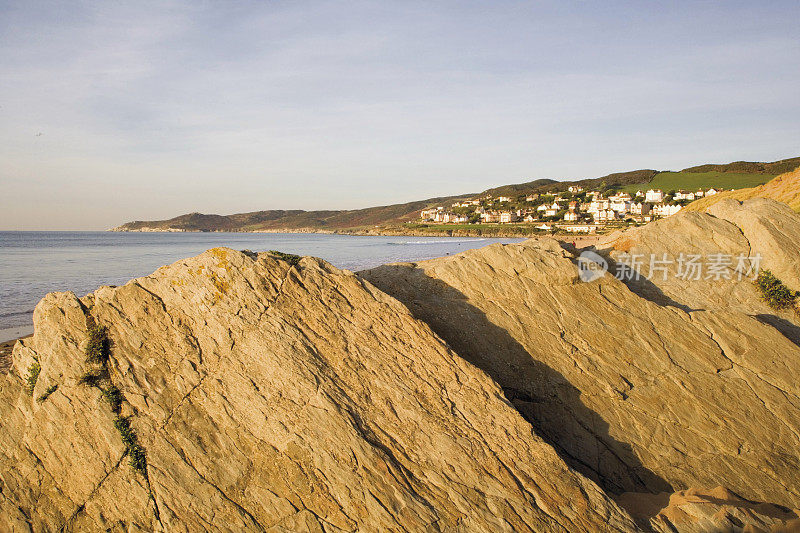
[{"x": 150, "y": 110}]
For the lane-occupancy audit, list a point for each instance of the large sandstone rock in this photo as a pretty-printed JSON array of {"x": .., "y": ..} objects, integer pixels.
[
  {"x": 754, "y": 228},
  {"x": 640, "y": 394},
  {"x": 287, "y": 398},
  {"x": 731, "y": 231}
]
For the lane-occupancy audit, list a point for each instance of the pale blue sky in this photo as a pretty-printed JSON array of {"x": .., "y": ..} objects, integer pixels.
[{"x": 150, "y": 110}]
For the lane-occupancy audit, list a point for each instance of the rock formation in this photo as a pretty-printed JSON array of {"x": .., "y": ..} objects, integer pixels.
[
  {"x": 656, "y": 390},
  {"x": 254, "y": 392},
  {"x": 755, "y": 228}
]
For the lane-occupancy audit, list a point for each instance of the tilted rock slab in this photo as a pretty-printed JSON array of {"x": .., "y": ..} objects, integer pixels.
[
  {"x": 273, "y": 397},
  {"x": 641, "y": 396},
  {"x": 730, "y": 230}
]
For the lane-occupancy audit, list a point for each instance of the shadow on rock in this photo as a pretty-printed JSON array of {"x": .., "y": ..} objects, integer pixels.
[
  {"x": 785, "y": 327},
  {"x": 543, "y": 396}
]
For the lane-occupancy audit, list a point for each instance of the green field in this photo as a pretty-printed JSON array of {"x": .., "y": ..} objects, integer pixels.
[{"x": 691, "y": 181}]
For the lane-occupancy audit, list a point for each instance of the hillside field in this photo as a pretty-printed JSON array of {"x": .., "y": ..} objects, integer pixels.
[{"x": 691, "y": 181}]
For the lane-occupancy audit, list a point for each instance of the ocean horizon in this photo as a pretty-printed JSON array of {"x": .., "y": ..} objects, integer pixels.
[{"x": 34, "y": 263}]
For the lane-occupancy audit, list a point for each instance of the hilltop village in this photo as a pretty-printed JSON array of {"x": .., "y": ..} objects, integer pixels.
[{"x": 574, "y": 210}]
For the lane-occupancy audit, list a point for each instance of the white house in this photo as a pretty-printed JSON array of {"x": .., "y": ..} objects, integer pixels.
[
  {"x": 574, "y": 189},
  {"x": 428, "y": 214},
  {"x": 490, "y": 216},
  {"x": 532, "y": 198},
  {"x": 552, "y": 210},
  {"x": 599, "y": 204},
  {"x": 620, "y": 206},
  {"x": 640, "y": 208},
  {"x": 571, "y": 216},
  {"x": 623, "y": 196},
  {"x": 508, "y": 216},
  {"x": 665, "y": 210},
  {"x": 711, "y": 192},
  {"x": 654, "y": 196},
  {"x": 684, "y": 195},
  {"x": 503, "y": 198},
  {"x": 604, "y": 215}
]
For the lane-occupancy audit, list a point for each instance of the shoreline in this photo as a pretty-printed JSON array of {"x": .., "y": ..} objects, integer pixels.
[{"x": 509, "y": 232}]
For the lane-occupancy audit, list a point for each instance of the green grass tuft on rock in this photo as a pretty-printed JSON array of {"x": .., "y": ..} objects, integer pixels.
[
  {"x": 98, "y": 349},
  {"x": 289, "y": 258},
  {"x": 114, "y": 398},
  {"x": 136, "y": 454},
  {"x": 46, "y": 394},
  {"x": 774, "y": 292},
  {"x": 33, "y": 376},
  {"x": 91, "y": 378}
]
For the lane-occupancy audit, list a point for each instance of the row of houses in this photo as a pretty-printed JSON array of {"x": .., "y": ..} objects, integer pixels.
[
  {"x": 594, "y": 210},
  {"x": 655, "y": 196}
]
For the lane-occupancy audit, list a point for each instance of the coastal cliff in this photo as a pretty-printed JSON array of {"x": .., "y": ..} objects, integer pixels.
[{"x": 493, "y": 390}]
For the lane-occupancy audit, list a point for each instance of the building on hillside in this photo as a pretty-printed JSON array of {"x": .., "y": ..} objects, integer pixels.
[
  {"x": 443, "y": 216},
  {"x": 699, "y": 193},
  {"x": 684, "y": 195},
  {"x": 531, "y": 197},
  {"x": 640, "y": 208},
  {"x": 598, "y": 204},
  {"x": 665, "y": 210},
  {"x": 507, "y": 217},
  {"x": 542, "y": 207},
  {"x": 429, "y": 214},
  {"x": 573, "y": 205},
  {"x": 620, "y": 206},
  {"x": 503, "y": 198},
  {"x": 604, "y": 215},
  {"x": 711, "y": 192},
  {"x": 552, "y": 210},
  {"x": 530, "y": 218},
  {"x": 490, "y": 216},
  {"x": 654, "y": 196},
  {"x": 460, "y": 219},
  {"x": 575, "y": 189},
  {"x": 571, "y": 216},
  {"x": 639, "y": 194},
  {"x": 621, "y": 197}
]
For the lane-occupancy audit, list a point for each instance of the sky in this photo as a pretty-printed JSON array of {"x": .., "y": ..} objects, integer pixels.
[{"x": 119, "y": 111}]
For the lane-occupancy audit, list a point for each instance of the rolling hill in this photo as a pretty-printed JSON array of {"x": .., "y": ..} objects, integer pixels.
[
  {"x": 785, "y": 188},
  {"x": 737, "y": 175}
]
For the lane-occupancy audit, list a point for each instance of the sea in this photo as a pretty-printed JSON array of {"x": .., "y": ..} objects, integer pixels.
[{"x": 33, "y": 263}]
